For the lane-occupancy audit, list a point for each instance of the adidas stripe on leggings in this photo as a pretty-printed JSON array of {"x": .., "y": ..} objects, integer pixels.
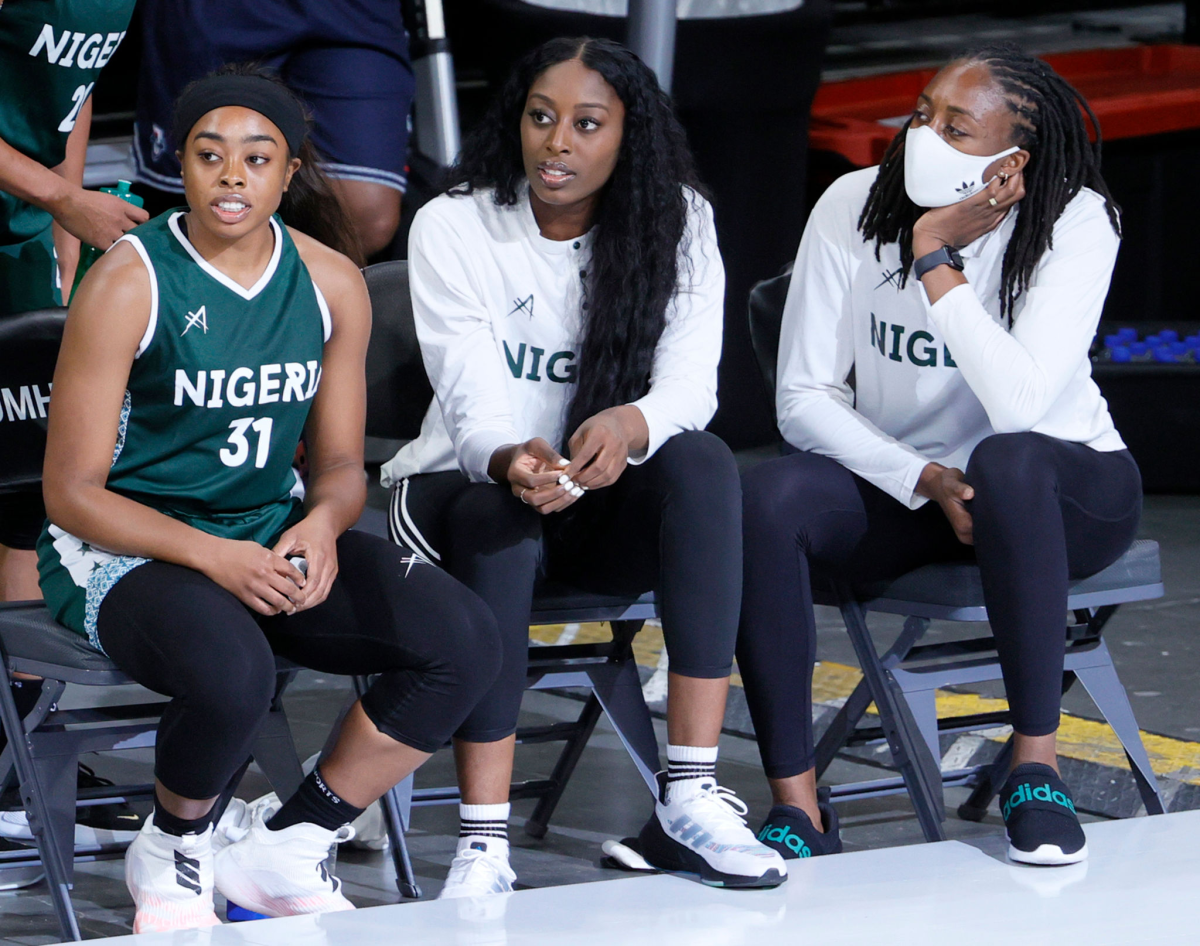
[
  {"x": 1045, "y": 512},
  {"x": 672, "y": 524},
  {"x": 175, "y": 631}
]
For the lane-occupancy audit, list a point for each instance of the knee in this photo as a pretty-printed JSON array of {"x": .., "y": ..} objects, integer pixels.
[
  {"x": 786, "y": 490},
  {"x": 377, "y": 229},
  {"x": 1010, "y": 466},
  {"x": 473, "y": 651},
  {"x": 700, "y": 462},
  {"x": 240, "y": 694},
  {"x": 375, "y": 211}
]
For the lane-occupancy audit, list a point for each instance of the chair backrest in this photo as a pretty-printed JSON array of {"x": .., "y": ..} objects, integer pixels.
[
  {"x": 398, "y": 391},
  {"x": 28, "y": 351},
  {"x": 766, "y": 316}
]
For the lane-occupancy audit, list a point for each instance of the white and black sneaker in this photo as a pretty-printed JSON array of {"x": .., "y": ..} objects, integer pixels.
[
  {"x": 480, "y": 869},
  {"x": 281, "y": 873},
  {"x": 171, "y": 880},
  {"x": 700, "y": 828}
]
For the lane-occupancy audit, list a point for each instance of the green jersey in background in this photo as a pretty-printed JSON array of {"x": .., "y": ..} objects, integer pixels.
[{"x": 51, "y": 53}]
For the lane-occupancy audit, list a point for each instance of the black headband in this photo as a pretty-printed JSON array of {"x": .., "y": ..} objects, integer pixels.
[{"x": 263, "y": 95}]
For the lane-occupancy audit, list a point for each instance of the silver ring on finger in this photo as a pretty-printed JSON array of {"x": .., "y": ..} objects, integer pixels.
[
  {"x": 521, "y": 495},
  {"x": 992, "y": 201}
]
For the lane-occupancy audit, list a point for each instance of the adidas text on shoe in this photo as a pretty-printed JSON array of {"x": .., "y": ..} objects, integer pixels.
[
  {"x": 480, "y": 869},
  {"x": 282, "y": 873},
  {"x": 171, "y": 880},
  {"x": 703, "y": 831},
  {"x": 791, "y": 832},
  {"x": 1040, "y": 819}
]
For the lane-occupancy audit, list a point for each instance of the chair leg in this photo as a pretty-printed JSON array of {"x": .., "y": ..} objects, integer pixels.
[
  {"x": 910, "y": 752},
  {"x": 975, "y": 808},
  {"x": 275, "y": 753},
  {"x": 620, "y": 695},
  {"x": 397, "y": 806},
  {"x": 44, "y": 801},
  {"x": 842, "y": 726},
  {"x": 923, "y": 704},
  {"x": 539, "y": 821},
  {"x": 1104, "y": 687}
]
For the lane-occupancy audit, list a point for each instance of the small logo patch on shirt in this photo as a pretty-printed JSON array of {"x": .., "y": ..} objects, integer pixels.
[
  {"x": 523, "y": 305},
  {"x": 891, "y": 278},
  {"x": 200, "y": 318}
]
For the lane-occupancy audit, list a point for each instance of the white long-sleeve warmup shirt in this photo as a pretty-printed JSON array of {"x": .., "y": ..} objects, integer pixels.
[
  {"x": 932, "y": 381},
  {"x": 498, "y": 311}
]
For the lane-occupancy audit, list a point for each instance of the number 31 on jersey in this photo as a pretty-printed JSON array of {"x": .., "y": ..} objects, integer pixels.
[{"x": 241, "y": 444}]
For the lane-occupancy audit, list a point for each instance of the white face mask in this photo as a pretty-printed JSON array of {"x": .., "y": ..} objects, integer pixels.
[{"x": 936, "y": 174}]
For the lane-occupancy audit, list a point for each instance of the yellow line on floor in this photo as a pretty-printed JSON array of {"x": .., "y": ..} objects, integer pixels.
[{"x": 1082, "y": 739}]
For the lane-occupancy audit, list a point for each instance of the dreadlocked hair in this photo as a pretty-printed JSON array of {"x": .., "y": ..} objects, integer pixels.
[
  {"x": 640, "y": 221},
  {"x": 1049, "y": 125}
]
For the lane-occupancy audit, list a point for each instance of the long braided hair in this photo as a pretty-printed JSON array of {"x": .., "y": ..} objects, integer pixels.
[
  {"x": 640, "y": 222},
  {"x": 1049, "y": 125}
]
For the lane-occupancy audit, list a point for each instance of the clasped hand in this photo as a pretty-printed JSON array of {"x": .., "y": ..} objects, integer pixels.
[
  {"x": 947, "y": 487},
  {"x": 265, "y": 581},
  {"x": 542, "y": 478}
]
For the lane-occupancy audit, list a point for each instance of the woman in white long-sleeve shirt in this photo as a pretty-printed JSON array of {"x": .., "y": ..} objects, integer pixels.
[
  {"x": 568, "y": 296},
  {"x": 962, "y": 281}
]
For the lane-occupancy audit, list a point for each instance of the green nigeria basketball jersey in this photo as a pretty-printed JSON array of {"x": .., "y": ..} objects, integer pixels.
[
  {"x": 51, "y": 53},
  {"x": 217, "y": 398}
]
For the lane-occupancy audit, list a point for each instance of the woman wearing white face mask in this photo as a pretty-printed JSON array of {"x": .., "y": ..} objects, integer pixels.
[{"x": 962, "y": 281}]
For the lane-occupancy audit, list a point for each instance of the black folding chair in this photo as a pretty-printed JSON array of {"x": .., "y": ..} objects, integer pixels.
[
  {"x": 903, "y": 681},
  {"x": 398, "y": 394}
]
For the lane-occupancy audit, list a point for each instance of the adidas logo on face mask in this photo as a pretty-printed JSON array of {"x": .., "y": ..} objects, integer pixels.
[
  {"x": 785, "y": 836},
  {"x": 1026, "y": 793},
  {"x": 187, "y": 872}
]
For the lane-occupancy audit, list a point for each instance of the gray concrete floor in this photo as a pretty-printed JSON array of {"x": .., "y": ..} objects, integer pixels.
[{"x": 607, "y": 799}]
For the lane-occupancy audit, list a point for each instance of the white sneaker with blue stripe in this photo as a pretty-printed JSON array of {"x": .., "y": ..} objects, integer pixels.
[{"x": 699, "y": 827}]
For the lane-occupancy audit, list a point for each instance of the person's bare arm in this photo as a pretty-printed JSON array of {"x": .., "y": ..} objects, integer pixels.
[
  {"x": 95, "y": 218},
  {"x": 105, "y": 325},
  {"x": 66, "y": 245},
  {"x": 336, "y": 489}
]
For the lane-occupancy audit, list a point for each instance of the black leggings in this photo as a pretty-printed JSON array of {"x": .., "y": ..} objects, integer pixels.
[
  {"x": 1045, "y": 512},
  {"x": 672, "y": 525},
  {"x": 175, "y": 631}
]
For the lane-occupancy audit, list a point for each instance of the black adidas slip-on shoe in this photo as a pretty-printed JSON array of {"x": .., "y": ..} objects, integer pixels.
[
  {"x": 1039, "y": 816},
  {"x": 701, "y": 831},
  {"x": 791, "y": 832}
]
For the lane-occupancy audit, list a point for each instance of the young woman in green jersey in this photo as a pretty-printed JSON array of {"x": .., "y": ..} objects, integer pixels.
[{"x": 196, "y": 353}]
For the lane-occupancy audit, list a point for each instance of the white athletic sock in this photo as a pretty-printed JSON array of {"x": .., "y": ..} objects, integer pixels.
[
  {"x": 488, "y": 821},
  {"x": 687, "y": 766}
]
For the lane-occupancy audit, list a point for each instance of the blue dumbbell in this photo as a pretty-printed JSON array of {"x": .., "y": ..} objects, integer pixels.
[{"x": 1120, "y": 354}]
